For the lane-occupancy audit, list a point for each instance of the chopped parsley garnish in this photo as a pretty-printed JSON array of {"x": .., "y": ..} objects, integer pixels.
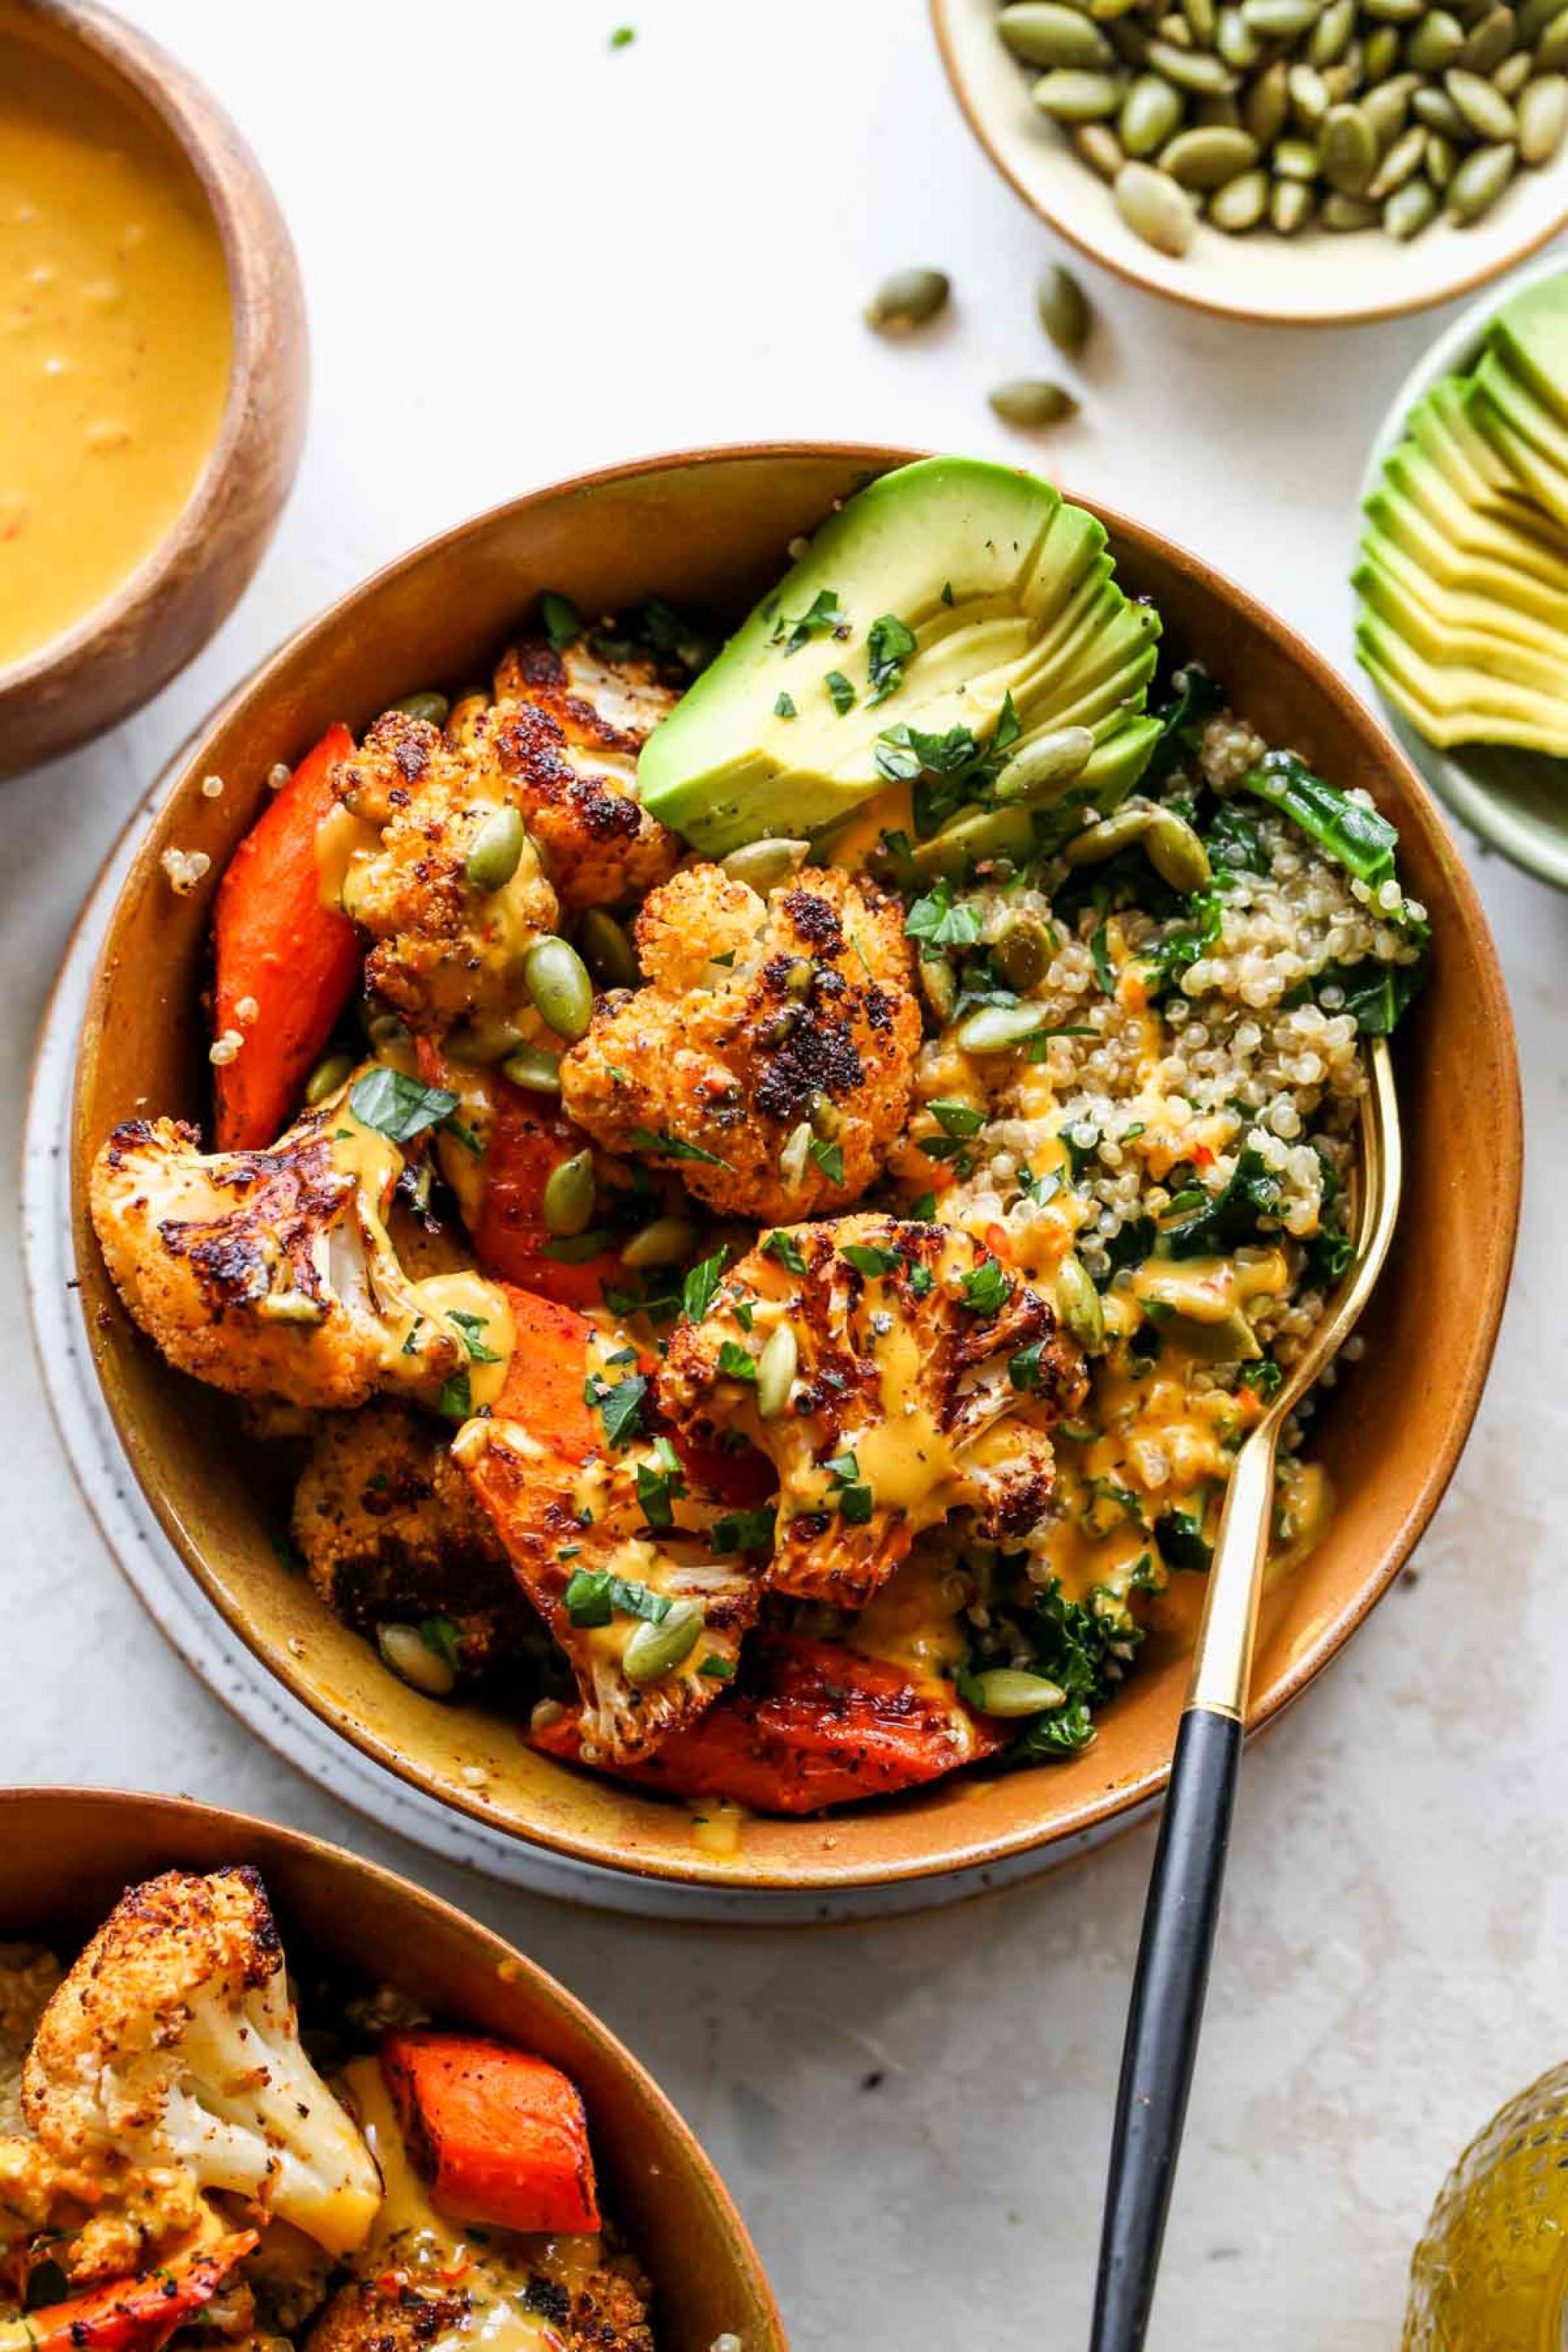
[
  {"x": 784, "y": 707},
  {"x": 830, "y": 1158},
  {"x": 399, "y": 1107},
  {"x": 986, "y": 1287},
  {"x": 593, "y": 1596},
  {"x": 936, "y": 922},
  {"x": 1100, "y": 950},
  {"x": 786, "y": 1249},
  {"x": 561, "y": 621},
  {"x": 868, "y": 1258},
  {"x": 923, "y": 1211},
  {"x": 735, "y": 1362},
  {"x": 745, "y": 1530},
  {"x": 619, "y": 1405},
  {"x": 456, "y": 1399},
  {"x": 1023, "y": 1367},
  {"x": 889, "y": 644},
  {"x": 660, "y": 1489},
  {"x": 1265, "y": 1378},
  {"x": 856, "y": 1505},
  {"x": 673, "y": 1147},
  {"x": 840, "y": 693},
  {"x": 440, "y": 1633},
  {"x": 956, "y": 1117},
  {"x": 716, "y": 1668},
  {"x": 623, "y": 36},
  {"x": 842, "y": 1467},
  {"x": 697, "y": 1290},
  {"x": 947, "y": 591},
  {"x": 922, "y": 1282},
  {"x": 823, "y": 615},
  {"x": 468, "y": 1329}
]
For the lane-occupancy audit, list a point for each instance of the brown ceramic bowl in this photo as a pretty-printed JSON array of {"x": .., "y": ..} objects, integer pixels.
[
  {"x": 120, "y": 653},
  {"x": 711, "y": 530},
  {"x": 65, "y": 1856}
]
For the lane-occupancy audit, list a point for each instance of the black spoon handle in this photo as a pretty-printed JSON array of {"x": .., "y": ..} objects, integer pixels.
[{"x": 1179, "y": 1922}]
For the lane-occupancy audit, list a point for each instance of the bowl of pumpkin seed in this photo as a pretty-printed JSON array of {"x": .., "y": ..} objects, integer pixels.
[{"x": 1298, "y": 162}]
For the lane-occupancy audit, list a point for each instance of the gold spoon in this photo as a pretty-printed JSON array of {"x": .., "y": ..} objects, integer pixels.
[{"x": 1181, "y": 1910}]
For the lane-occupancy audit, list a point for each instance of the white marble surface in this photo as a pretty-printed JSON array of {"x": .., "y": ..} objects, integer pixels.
[{"x": 526, "y": 254}]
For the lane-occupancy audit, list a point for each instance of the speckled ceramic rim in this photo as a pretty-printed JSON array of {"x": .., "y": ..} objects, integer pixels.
[
  {"x": 1455, "y": 352},
  {"x": 705, "y": 2269},
  {"x": 909, "y": 1843},
  {"x": 192, "y": 119},
  {"x": 1210, "y": 303}
]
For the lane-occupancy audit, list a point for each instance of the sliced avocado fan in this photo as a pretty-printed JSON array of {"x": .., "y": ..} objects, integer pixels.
[
  {"x": 932, "y": 597},
  {"x": 1463, "y": 569}
]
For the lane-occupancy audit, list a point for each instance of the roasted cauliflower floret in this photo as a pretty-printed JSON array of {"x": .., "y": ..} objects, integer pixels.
[
  {"x": 562, "y": 738},
  {"x": 776, "y": 1080},
  {"x": 174, "y": 2041},
  {"x": 270, "y": 1272},
  {"x": 600, "y": 2311},
  {"x": 388, "y": 1527},
  {"x": 28, "y": 1975},
  {"x": 448, "y": 947},
  {"x": 616, "y": 1552},
  {"x": 923, "y": 1381},
  {"x": 102, "y": 2217}
]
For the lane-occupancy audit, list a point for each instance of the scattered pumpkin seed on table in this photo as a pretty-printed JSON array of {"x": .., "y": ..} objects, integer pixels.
[
  {"x": 1032, "y": 403},
  {"x": 1345, "y": 114},
  {"x": 907, "y": 299}
]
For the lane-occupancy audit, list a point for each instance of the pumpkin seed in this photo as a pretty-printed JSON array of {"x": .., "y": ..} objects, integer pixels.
[
  {"x": 1022, "y": 956},
  {"x": 1380, "y": 54},
  {"x": 1436, "y": 42},
  {"x": 327, "y": 1077},
  {"x": 1308, "y": 95},
  {"x": 1479, "y": 182},
  {"x": 762, "y": 864},
  {"x": 405, "y": 1649},
  {"x": 608, "y": 950},
  {"x": 1281, "y": 20},
  {"x": 1236, "y": 42},
  {"x": 1338, "y": 212},
  {"x": 776, "y": 1370},
  {"x": 1050, "y": 760},
  {"x": 668, "y": 1241},
  {"x": 1031, "y": 403},
  {"x": 1267, "y": 105},
  {"x": 1534, "y": 17},
  {"x": 1442, "y": 159},
  {"x": 1241, "y": 205},
  {"x": 1155, "y": 208},
  {"x": 1068, "y": 95},
  {"x": 1514, "y": 73},
  {"x": 997, "y": 1028},
  {"x": 655, "y": 1651},
  {"x": 1487, "y": 111},
  {"x": 1489, "y": 41},
  {"x": 1387, "y": 109},
  {"x": 1543, "y": 118},
  {"x": 496, "y": 851},
  {"x": 1177, "y": 31},
  {"x": 795, "y": 1156},
  {"x": 1175, "y": 853},
  {"x": 1060, "y": 36},
  {"x": 1551, "y": 49},
  {"x": 479, "y": 1042},
  {"x": 1094, "y": 144},
  {"x": 1231, "y": 1340},
  {"x": 1408, "y": 210},
  {"x": 567, "y": 1203},
  {"x": 1207, "y": 159},
  {"x": 1195, "y": 70},
  {"x": 1296, "y": 159},
  {"x": 1151, "y": 113},
  {"x": 1436, "y": 109},
  {"x": 557, "y": 980},
  {"x": 1063, "y": 310},
  {"x": 1394, "y": 12},
  {"x": 1007, "y": 1691},
  {"x": 433, "y": 709},
  {"x": 1111, "y": 835},
  {"x": 1349, "y": 148},
  {"x": 1289, "y": 206},
  {"x": 908, "y": 298},
  {"x": 1402, "y": 162},
  {"x": 533, "y": 1067},
  {"x": 1031, "y": 29},
  {"x": 576, "y": 1249},
  {"x": 1202, "y": 21},
  {"x": 1078, "y": 1304},
  {"x": 939, "y": 986}
]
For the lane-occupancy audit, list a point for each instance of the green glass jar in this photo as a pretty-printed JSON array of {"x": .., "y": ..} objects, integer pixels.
[{"x": 1490, "y": 2274}]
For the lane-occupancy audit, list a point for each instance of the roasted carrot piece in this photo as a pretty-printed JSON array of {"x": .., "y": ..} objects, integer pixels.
[
  {"x": 500, "y": 2137},
  {"x": 543, "y": 1390},
  {"x": 278, "y": 946},
  {"x": 816, "y": 1725},
  {"x": 134, "y": 2315}
]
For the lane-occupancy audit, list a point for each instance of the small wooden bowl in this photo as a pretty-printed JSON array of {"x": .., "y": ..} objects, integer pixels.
[
  {"x": 119, "y": 654},
  {"x": 1314, "y": 280},
  {"x": 67, "y": 1855},
  {"x": 711, "y": 531}
]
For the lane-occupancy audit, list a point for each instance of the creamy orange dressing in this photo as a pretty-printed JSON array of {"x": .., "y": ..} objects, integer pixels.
[{"x": 115, "y": 343}]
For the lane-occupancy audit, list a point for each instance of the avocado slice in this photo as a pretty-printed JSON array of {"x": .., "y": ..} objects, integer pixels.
[
  {"x": 1483, "y": 649},
  {"x": 1440, "y": 427},
  {"x": 1414, "y": 477},
  {"x": 1530, "y": 335},
  {"x": 1392, "y": 519},
  {"x": 1456, "y": 609},
  {"x": 1455, "y": 704},
  {"x": 1527, "y": 436},
  {"x": 1006, "y": 590}
]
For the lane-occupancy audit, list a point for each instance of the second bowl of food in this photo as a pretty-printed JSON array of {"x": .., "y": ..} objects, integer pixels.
[
  {"x": 1289, "y": 161},
  {"x": 755, "y": 1192},
  {"x": 254, "y": 2091}
]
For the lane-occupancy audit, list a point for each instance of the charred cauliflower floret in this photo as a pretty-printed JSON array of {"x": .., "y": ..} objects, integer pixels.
[
  {"x": 614, "y": 1551},
  {"x": 599, "y": 2311},
  {"x": 174, "y": 2041},
  {"x": 562, "y": 738},
  {"x": 270, "y": 1272},
  {"x": 99, "y": 2216},
  {"x": 770, "y": 1058},
  {"x": 388, "y": 1529},
  {"x": 918, "y": 1379},
  {"x": 450, "y": 888}
]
